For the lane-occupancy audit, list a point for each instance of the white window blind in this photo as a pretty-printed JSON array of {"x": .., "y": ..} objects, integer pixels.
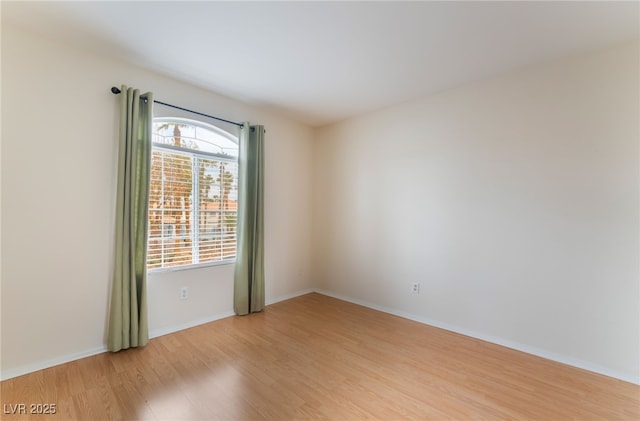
[{"x": 192, "y": 204}]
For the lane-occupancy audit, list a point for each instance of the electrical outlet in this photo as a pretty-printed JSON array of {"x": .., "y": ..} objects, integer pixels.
[
  {"x": 415, "y": 288},
  {"x": 184, "y": 293}
]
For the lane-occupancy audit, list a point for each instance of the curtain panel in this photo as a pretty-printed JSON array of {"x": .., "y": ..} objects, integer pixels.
[
  {"x": 128, "y": 320},
  {"x": 249, "y": 270}
]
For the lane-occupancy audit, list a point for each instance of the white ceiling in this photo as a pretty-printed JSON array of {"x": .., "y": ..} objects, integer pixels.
[{"x": 321, "y": 62}]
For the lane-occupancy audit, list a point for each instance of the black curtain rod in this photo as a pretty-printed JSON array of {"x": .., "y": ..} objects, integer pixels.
[{"x": 116, "y": 91}]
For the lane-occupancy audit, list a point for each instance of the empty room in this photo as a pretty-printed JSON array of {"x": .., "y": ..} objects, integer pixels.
[{"x": 320, "y": 210}]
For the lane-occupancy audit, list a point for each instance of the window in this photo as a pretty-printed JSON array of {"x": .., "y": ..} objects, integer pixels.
[{"x": 193, "y": 196}]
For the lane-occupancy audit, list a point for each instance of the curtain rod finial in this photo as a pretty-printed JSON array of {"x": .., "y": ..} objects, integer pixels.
[{"x": 115, "y": 90}]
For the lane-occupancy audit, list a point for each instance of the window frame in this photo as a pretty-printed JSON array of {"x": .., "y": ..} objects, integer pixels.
[{"x": 195, "y": 155}]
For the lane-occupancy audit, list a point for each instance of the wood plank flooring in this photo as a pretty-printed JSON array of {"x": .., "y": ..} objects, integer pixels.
[{"x": 315, "y": 357}]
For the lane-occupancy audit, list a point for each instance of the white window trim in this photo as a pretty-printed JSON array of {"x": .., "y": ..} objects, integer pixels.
[{"x": 197, "y": 154}]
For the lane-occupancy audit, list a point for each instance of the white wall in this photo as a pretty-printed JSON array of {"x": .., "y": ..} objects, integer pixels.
[
  {"x": 59, "y": 129},
  {"x": 514, "y": 202}
]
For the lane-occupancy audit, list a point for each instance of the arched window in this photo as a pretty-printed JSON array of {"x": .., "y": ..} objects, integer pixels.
[{"x": 193, "y": 194}]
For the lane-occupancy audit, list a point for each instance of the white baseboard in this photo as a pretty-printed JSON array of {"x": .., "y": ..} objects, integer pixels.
[
  {"x": 193, "y": 323},
  {"x": 574, "y": 362},
  {"x": 176, "y": 328},
  {"x": 41, "y": 365},
  {"x": 290, "y": 296}
]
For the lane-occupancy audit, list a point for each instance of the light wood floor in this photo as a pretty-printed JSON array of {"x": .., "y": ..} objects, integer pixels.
[{"x": 315, "y": 357}]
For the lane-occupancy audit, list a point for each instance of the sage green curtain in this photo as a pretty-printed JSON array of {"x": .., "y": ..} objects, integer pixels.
[
  {"x": 249, "y": 270},
  {"x": 128, "y": 323}
]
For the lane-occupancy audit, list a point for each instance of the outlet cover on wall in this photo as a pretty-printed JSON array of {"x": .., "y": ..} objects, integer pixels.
[
  {"x": 415, "y": 288},
  {"x": 184, "y": 293}
]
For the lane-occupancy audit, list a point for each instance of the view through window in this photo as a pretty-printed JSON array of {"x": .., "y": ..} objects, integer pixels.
[{"x": 193, "y": 197}]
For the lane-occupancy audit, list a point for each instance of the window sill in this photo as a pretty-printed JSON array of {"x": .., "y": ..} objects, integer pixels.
[{"x": 190, "y": 267}]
